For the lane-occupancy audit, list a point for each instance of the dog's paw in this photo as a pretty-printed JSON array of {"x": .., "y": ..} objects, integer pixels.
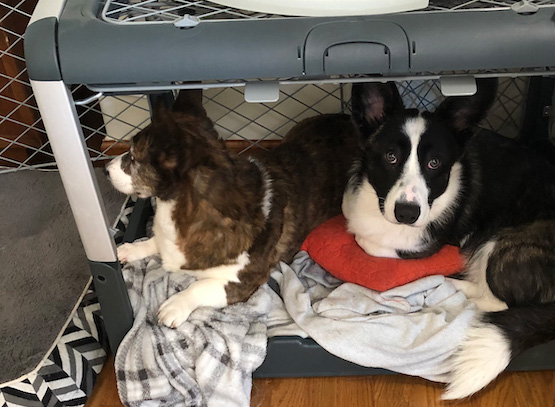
[
  {"x": 128, "y": 252},
  {"x": 124, "y": 252},
  {"x": 202, "y": 293},
  {"x": 174, "y": 311}
]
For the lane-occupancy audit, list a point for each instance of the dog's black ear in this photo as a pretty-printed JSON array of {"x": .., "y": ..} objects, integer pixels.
[
  {"x": 188, "y": 113},
  {"x": 189, "y": 101},
  {"x": 372, "y": 103},
  {"x": 160, "y": 105},
  {"x": 465, "y": 112}
]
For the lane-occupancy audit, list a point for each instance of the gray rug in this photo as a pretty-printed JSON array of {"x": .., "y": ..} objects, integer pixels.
[{"x": 43, "y": 267}]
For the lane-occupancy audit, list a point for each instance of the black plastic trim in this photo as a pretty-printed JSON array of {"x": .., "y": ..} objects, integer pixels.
[
  {"x": 292, "y": 356},
  {"x": 114, "y": 301}
]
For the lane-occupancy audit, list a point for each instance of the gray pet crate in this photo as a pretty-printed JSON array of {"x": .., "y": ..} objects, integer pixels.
[{"x": 92, "y": 58}]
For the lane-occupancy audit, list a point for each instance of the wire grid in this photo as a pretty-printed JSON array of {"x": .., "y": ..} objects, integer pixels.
[
  {"x": 254, "y": 124},
  {"x": 505, "y": 116},
  {"x": 454, "y": 5},
  {"x": 22, "y": 137},
  {"x": 148, "y": 11},
  {"x": 110, "y": 122},
  {"x": 235, "y": 120}
]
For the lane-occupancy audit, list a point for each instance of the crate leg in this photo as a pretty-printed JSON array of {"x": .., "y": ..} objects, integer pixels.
[
  {"x": 114, "y": 301},
  {"x": 68, "y": 145}
]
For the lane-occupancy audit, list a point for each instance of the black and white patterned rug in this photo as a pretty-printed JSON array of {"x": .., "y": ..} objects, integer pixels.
[{"x": 51, "y": 330}]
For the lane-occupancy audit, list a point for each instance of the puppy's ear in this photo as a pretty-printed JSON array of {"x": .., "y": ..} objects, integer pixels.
[
  {"x": 189, "y": 101},
  {"x": 372, "y": 103},
  {"x": 160, "y": 105},
  {"x": 189, "y": 114},
  {"x": 465, "y": 112}
]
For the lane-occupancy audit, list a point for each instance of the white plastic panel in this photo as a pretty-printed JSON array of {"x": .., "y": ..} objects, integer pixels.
[
  {"x": 47, "y": 8},
  {"x": 458, "y": 85},
  {"x": 325, "y": 8},
  {"x": 68, "y": 145},
  {"x": 174, "y": 11}
]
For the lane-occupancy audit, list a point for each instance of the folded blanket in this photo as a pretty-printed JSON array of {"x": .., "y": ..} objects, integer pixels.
[
  {"x": 207, "y": 361},
  {"x": 377, "y": 329}
]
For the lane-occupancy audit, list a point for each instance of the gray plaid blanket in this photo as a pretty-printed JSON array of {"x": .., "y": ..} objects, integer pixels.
[{"x": 207, "y": 361}]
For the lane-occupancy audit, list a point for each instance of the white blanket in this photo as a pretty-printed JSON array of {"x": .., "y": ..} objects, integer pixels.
[
  {"x": 207, "y": 361},
  {"x": 410, "y": 329}
]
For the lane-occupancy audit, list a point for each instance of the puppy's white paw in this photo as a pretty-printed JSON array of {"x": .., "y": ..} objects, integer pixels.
[
  {"x": 174, "y": 311},
  {"x": 202, "y": 293},
  {"x": 129, "y": 252}
]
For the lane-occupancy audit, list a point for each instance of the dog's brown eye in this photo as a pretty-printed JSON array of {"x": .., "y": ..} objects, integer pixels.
[
  {"x": 434, "y": 164},
  {"x": 390, "y": 157}
]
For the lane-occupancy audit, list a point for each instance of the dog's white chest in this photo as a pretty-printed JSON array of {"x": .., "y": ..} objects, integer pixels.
[
  {"x": 373, "y": 233},
  {"x": 165, "y": 234}
]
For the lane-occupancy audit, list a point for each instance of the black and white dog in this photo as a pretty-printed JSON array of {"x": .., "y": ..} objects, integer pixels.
[{"x": 429, "y": 179}]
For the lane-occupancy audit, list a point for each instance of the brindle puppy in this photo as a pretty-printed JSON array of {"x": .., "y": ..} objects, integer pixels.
[{"x": 229, "y": 219}]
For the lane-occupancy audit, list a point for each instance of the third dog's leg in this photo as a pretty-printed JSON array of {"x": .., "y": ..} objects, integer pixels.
[
  {"x": 475, "y": 286},
  {"x": 521, "y": 267}
]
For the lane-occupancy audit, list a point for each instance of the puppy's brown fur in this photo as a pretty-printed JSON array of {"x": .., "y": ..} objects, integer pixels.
[
  {"x": 309, "y": 173},
  {"x": 219, "y": 197}
]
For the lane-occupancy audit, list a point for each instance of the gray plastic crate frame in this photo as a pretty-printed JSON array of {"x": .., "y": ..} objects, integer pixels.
[{"x": 63, "y": 38}]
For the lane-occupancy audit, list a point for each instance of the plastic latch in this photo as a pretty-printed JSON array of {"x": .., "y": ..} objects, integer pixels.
[
  {"x": 524, "y": 7},
  {"x": 187, "y": 21},
  {"x": 458, "y": 85},
  {"x": 260, "y": 92}
]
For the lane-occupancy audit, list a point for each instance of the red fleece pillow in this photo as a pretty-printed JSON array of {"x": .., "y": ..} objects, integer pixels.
[{"x": 335, "y": 249}]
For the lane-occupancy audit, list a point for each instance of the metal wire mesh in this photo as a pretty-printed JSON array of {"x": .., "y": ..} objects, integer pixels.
[
  {"x": 23, "y": 140},
  {"x": 256, "y": 124},
  {"x": 505, "y": 116},
  {"x": 108, "y": 123},
  {"x": 146, "y": 11}
]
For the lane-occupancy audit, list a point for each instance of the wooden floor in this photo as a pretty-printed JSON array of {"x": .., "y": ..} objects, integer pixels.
[{"x": 530, "y": 389}]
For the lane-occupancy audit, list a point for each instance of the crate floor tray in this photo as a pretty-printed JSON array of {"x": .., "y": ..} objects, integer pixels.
[{"x": 351, "y": 330}]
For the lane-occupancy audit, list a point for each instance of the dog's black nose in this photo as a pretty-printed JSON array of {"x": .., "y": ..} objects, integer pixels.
[
  {"x": 406, "y": 213},
  {"x": 105, "y": 171}
]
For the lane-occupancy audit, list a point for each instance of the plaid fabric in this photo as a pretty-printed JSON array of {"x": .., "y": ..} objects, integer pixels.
[{"x": 207, "y": 361}]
